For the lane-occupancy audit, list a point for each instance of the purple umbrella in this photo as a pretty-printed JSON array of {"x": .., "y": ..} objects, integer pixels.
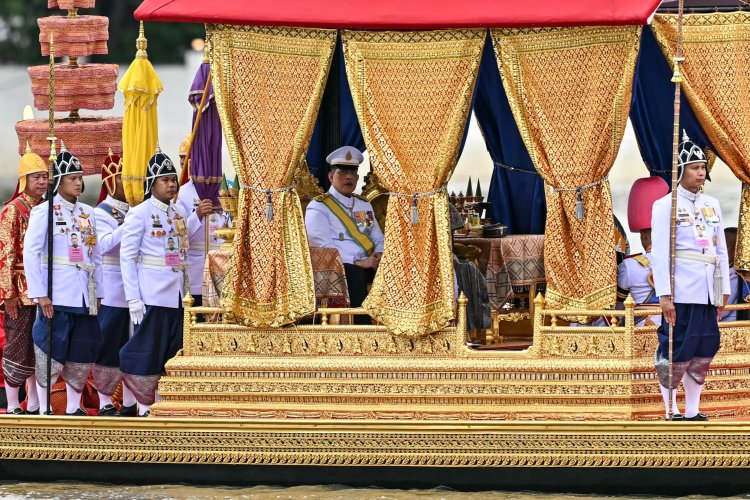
[{"x": 205, "y": 155}]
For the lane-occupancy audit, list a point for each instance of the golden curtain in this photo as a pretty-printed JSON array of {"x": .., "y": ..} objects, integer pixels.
[
  {"x": 569, "y": 90},
  {"x": 412, "y": 92},
  {"x": 716, "y": 79},
  {"x": 269, "y": 83}
]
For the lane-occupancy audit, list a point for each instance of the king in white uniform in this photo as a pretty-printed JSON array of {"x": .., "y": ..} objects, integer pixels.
[
  {"x": 76, "y": 284},
  {"x": 701, "y": 279},
  {"x": 340, "y": 219},
  {"x": 153, "y": 262}
]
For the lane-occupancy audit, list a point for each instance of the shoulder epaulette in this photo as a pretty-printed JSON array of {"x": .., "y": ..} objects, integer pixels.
[
  {"x": 322, "y": 197},
  {"x": 642, "y": 260}
]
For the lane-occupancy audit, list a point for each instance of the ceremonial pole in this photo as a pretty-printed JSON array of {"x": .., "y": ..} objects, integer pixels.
[
  {"x": 677, "y": 79},
  {"x": 52, "y": 158}
]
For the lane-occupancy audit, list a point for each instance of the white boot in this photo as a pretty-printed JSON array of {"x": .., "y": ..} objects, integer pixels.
[
  {"x": 42, "y": 394},
  {"x": 73, "y": 402},
  {"x": 665, "y": 396},
  {"x": 32, "y": 398},
  {"x": 11, "y": 393},
  {"x": 692, "y": 397}
]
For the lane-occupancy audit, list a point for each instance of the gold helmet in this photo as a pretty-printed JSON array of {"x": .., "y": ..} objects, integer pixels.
[
  {"x": 184, "y": 146},
  {"x": 30, "y": 163}
]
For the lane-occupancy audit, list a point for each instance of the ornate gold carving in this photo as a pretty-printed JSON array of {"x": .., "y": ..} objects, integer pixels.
[
  {"x": 335, "y": 442},
  {"x": 367, "y": 373}
]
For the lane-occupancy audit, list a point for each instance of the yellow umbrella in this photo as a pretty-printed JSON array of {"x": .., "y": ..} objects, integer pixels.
[{"x": 140, "y": 125}]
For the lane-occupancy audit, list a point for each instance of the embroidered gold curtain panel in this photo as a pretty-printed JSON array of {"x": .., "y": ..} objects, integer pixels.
[
  {"x": 569, "y": 90},
  {"x": 269, "y": 83},
  {"x": 412, "y": 92},
  {"x": 716, "y": 79}
]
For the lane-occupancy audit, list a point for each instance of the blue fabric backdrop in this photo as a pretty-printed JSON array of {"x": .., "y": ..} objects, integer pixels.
[
  {"x": 652, "y": 110},
  {"x": 517, "y": 197},
  {"x": 349, "y": 131}
]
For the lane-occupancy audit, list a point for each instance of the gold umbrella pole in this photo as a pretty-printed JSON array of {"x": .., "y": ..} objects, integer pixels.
[
  {"x": 52, "y": 158},
  {"x": 677, "y": 79}
]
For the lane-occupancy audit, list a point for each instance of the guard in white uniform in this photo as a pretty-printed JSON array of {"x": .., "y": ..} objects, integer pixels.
[
  {"x": 114, "y": 316},
  {"x": 153, "y": 253},
  {"x": 730, "y": 234},
  {"x": 635, "y": 274},
  {"x": 701, "y": 279},
  {"x": 342, "y": 220},
  {"x": 76, "y": 284},
  {"x": 196, "y": 255}
]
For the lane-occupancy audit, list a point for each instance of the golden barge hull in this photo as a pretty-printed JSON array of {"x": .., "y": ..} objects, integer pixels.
[
  {"x": 578, "y": 411},
  {"x": 579, "y": 456}
]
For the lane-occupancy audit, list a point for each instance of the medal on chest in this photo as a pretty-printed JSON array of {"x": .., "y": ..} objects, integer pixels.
[{"x": 365, "y": 220}]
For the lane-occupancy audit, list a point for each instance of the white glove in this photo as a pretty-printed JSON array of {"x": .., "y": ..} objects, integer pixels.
[{"x": 137, "y": 310}]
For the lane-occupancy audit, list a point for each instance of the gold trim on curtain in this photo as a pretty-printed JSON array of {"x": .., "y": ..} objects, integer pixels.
[
  {"x": 716, "y": 79},
  {"x": 412, "y": 92},
  {"x": 569, "y": 90},
  {"x": 269, "y": 83}
]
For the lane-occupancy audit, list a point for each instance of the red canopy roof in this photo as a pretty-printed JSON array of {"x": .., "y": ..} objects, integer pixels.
[{"x": 400, "y": 14}]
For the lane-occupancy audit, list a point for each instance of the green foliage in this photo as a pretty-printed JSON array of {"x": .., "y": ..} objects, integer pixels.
[{"x": 19, "y": 32}]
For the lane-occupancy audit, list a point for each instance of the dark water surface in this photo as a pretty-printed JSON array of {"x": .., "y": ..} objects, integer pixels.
[{"x": 76, "y": 490}]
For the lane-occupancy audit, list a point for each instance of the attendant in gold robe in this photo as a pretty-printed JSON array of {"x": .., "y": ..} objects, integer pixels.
[{"x": 18, "y": 309}]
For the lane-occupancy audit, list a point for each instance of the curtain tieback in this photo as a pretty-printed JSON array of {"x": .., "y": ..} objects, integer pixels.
[
  {"x": 414, "y": 196},
  {"x": 580, "y": 212},
  {"x": 502, "y": 165},
  {"x": 268, "y": 193}
]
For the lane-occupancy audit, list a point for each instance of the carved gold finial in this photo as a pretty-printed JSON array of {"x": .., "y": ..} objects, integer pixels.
[
  {"x": 109, "y": 152},
  {"x": 141, "y": 44},
  {"x": 629, "y": 302}
]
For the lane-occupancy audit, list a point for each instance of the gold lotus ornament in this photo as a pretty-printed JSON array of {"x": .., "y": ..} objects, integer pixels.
[{"x": 229, "y": 199}]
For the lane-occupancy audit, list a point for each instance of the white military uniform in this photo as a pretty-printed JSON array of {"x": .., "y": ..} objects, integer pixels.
[
  {"x": 145, "y": 272},
  {"x": 325, "y": 230},
  {"x": 633, "y": 276},
  {"x": 196, "y": 255},
  {"x": 734, "y": 297},
  {"x": 70, "y": 283},
  {"x": 110, "y": 231},
  {"x": 700, "y": 231}
]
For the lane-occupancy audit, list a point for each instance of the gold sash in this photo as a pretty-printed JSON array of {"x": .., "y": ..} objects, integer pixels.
[{"x": 360, "y": 238}]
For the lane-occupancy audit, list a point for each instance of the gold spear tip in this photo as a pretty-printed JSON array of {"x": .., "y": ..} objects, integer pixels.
[
  {"x": 52, "y": 45},
  {"x": 141, "y": 44},
  {"x": 205, "y": 53}
]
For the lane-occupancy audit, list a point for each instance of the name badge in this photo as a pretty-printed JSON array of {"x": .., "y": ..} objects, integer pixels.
[
  {"x": 172, "y": 251},
  {"x": 75, "y": 247},
  {"x": 702, "y": 238}
]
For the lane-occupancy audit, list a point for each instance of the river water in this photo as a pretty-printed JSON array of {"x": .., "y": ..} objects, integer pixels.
[{"x": 74, "y": 490}]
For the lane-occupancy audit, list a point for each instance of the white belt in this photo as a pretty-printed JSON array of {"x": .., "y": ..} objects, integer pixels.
[
  {"x": 147, "y": 261},
  {"x": 86, "y": 266},
  {"x": 151, "y": 261},
  {"x": 708, "y": 259},
  {"x": 110, "y": 260},
  {"x": 64, "y": 261},
  {"x": 697, "y": 256}
]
